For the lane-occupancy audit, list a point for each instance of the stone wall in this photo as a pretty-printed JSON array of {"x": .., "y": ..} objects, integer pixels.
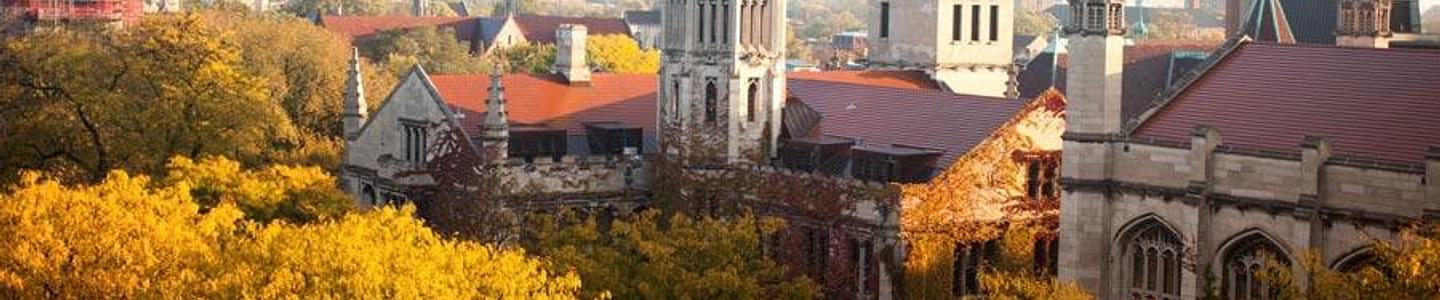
[{"x": 1304, "y": 200}]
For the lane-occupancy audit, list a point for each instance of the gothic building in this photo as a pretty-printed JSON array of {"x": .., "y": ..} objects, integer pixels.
[
  {"x": 1266, "y": 148},
  {"x": 723, "y": 74},
  {"x": 965, "y": 45}
]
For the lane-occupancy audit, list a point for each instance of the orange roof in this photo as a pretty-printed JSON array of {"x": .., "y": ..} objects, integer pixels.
[
  {"x": 910, "y": 80},
  {"x": 550, "y": 101}
]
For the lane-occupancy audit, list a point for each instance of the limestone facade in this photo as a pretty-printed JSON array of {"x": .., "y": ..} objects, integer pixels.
[
  {"x": 967, "y": 45},
  {"x": 722, "y": 73},
  {"x": 1144, "y": 218}
]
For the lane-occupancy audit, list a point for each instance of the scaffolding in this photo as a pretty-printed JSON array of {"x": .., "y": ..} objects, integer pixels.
[{"x": 78, "y": 10}]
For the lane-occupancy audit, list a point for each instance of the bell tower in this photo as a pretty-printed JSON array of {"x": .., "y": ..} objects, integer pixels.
[
  {"x": 722, "y": 75},
  {"x": 1364, "y": 24},
  {"x": 965, "y": 45}
]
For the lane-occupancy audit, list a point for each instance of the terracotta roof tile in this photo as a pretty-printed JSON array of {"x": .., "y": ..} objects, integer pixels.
[
  {"x": 1370, "y": 103},
  {"x": 923, "y": 118},
  {"x": 548, "y": 100},
  {"x": 912, "y": 80},
  {"x": 541, "y": 29},
  {"x": 1148, "y": 72}
]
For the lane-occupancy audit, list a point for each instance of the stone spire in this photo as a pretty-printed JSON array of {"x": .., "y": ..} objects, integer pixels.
[
  {"x": 497, "y": 120},
  {"x": 1266, "y": 22},
  {"x": 355, "y": 108}
]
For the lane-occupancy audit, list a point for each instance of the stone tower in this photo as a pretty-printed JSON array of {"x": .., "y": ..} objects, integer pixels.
[
  {"x": 722, "y": 74},
  {"x": 1363, "y": 24},
  {"x": 1093, "y": 116},
  {"x": 496, "y": 136},
  {"x": 1097, "y": 50},
  {"x": 355, "y": 108},
  {"x": 966, "y": 45}
]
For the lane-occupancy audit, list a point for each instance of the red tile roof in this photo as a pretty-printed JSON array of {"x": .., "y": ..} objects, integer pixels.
[
  {"x": 1147, "y": 71},
  {"x": 911, "y": 80},
  {"x": 360, "y": 27},
  {"x": 923, "y": 118},
  {"x": 541, "y": 29},
  {"x": 1370, "y": 103},
  {"x": 548, "y": 100}
]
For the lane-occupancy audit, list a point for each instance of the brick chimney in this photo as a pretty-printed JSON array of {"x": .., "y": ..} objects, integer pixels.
[{"x": 570, "y": 54}]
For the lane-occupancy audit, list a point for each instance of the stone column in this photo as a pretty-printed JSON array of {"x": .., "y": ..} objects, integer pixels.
[
  {"x": 1432, "y": 181},
  {"x": 1314, "y": 151},
  {"x": 1203, "y": 140}
]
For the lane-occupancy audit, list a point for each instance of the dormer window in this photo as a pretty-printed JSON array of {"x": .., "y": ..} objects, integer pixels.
[{"x": 893, "y": 163}]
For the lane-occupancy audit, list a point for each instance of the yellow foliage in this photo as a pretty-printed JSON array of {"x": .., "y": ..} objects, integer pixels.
[
  {"x": 684, "y": 258},
  {"x": 1405, "y": 269},
  {"x": 297, "y": 194},
  {"x": 128, "y": 237},
  {"x": 965, "y": 202},
  {"x": 615, "y": 53}
]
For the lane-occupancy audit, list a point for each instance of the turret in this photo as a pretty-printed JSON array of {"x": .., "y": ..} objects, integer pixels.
[
  {"x": 496, "y": 136},
  {"x": 355, "y": 108},
  {"x": 1097, "y": 63}
]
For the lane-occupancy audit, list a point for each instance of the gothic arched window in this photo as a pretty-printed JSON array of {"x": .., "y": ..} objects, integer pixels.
[
  {"x": 1153, "y": 253},
  {"x": 1246, "y": 258},
  {"x": 710, "y": 113},
  {"x": 367, "y": 195},
  {"x": 700, "y": 20},
  {"x": 750, "y": 106}
]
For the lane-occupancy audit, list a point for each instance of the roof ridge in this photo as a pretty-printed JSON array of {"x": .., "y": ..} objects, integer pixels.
[{"x": 1164, "y": 98}]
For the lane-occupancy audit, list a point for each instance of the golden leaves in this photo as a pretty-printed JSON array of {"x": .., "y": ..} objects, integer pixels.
[{"x": 130, "y": 237}]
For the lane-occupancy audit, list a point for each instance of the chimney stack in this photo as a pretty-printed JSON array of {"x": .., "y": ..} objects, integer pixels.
[{"x": 570, "y": 54}]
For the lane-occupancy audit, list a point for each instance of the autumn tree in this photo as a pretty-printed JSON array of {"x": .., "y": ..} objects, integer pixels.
[
  {"x": 338, "y": 7},
  {"x": 276, "y": 192},
  {"x": 1407, "y": 268},
  {"x": 1013, "y": 273},
  {"x": 83, "y": 103},
  {"x": 613, "y": 53},
  {"x": 437, "y": 50},
  {"x": 527, "y": 58},
  {"x": 682, "y": 257},
  {"x": 130, "y": 237}
]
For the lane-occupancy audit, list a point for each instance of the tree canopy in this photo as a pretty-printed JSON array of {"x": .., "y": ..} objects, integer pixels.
[
  {"x": 437, "y": 50},
  {"x": 131, "y": 237},
  {"x": 81, "y": 102},
  {"x": 613, "y": 53},
  {"x": 682, "y": 257}
]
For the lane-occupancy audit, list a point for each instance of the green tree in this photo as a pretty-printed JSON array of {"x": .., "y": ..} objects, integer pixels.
[
  {"x": 129, "y": 237},
  {"x": 535, "y": 59},
  {"x": 437, "y": 50},
  {"x": 621, "y": 54},
  {"x": 649, "y": 257}
]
